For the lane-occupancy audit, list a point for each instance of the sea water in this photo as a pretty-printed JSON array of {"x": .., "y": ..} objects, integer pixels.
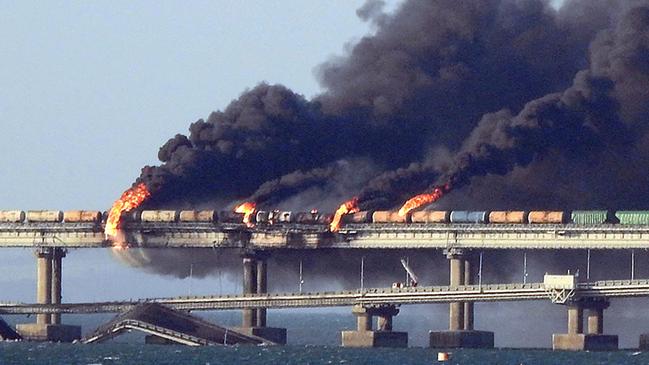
[
  {"x": 138, "y": 354},
  {"x": 314, "y": 338}
]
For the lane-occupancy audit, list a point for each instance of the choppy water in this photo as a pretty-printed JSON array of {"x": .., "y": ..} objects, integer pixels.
[
  {"x": 30, "y": 353},
  {"x": 304, "y": 329}
]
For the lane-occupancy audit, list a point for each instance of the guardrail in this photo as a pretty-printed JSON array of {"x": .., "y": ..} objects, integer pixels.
[{"x": 376, "y": 296}]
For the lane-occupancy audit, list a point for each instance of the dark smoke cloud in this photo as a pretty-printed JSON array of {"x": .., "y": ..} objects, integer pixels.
[
  {"x": 423, "y": 79},
  {"x": 520, "y": 105},
  {"x": 598, "y": 122}
]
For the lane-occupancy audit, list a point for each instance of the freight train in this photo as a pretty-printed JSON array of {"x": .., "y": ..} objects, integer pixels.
[{"x": 580, "y": 217}]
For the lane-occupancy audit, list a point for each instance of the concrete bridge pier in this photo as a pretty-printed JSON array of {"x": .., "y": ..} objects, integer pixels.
[
  {"x": 48, "y": 327},
  {"x": 594, "y": 339},
  {"x": 366, "y": 336},
  {"x": 255, "y": 281},
  {"x": 57, "y": 281},
  {"x": 461, "y": 333},
  {"x": 249, "y": 316}
]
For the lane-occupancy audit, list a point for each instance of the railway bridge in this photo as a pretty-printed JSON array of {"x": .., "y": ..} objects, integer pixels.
[{"x": 51, "y": 240}]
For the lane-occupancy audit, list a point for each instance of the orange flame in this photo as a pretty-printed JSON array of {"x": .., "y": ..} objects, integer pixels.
[
  {"x": 248, "y": 209},
  {"x": 130, "y": 199},
  {"x": 348, "y": 207},
  {"x": 424, "y": 199}
]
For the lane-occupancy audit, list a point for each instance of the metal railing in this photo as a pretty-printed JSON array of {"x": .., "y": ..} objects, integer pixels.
[{"x": 372, "y": 296}]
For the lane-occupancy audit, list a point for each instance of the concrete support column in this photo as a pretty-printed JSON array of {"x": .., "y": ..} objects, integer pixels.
[
  {"x": 363, "y": 322},
  {"x": 383, "y": 336},
  {"x": 469, "y": 275},
  {"x": 57, "y": 274},
  {"x": 363, "y": 318},
  {"x": 384, "y": 322},
  {"x": 576, "y": 339},
  {"x": 255, "y": 281},
  {"x": 596, "y": 321},
  {"x": 48, "y": 327},
  {"x": 44, "y": 282},
  {"x": 262, "y": 288},
  {"x": 249, "y": 316},
  {"x": 575, "y": 319},
  {"x": 456, "y": 309}
]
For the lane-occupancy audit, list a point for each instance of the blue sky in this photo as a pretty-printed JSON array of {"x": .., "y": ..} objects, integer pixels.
[{"x": 91, "y": 90}]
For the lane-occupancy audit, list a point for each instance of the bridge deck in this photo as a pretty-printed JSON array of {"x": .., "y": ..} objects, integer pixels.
[
  {"x": 404, "y": 296},
  {"x": 366, "y": 236},
  {"x": 164, "y": 322}
]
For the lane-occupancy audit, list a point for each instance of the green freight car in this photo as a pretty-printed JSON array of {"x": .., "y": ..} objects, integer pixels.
[
  {"x": 590, "y": 217},
  {"x": 633, "y": 216}
]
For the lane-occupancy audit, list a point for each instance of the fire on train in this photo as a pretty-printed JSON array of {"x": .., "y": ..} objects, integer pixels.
[{"x": 262, "y": 217}]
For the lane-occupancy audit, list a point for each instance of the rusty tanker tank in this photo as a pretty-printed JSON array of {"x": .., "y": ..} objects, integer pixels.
[
  {"x": 79, "y": 216},
  {"x": 12, "y": 216},
  {"x": 546, "y": 217},
  {"x": 431, "y": 216},
  {"x": 159, "y": 216},
  {"x": 44, "y": 216},
  {"x": 358, "y": 217},
  {"x": 388, "y": 216},
  {"x": 198, "y": 216},
  {"x": 508, "y": 217}
]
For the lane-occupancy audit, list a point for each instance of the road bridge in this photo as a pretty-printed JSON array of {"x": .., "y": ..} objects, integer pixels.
[
  {"x": 458, "y": 241},
  {"x": 367, "y": 297}
]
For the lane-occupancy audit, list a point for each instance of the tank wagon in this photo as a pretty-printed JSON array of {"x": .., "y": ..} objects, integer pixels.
[
  {"x": 51, "y": 216},
  {"x": 198, "y": 216},
  {"x": 77, "y": 216},
  {"x": 389, "y": 217},
  {"x": 159, "y": 216},
  {"x": 431, "y": 216},
  {"x": 277, "y": 217},
  {"x": 13, "y": 216}
]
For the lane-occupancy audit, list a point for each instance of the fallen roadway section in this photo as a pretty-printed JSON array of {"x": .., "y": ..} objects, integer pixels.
[
  {"x": 164, "y": 325},
  {"x": 376, "y": 296}
]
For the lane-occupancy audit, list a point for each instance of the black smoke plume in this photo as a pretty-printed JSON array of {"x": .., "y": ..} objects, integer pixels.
[
  {"x": 517, "y": 104},
  {"x": 421, "y": 81}
]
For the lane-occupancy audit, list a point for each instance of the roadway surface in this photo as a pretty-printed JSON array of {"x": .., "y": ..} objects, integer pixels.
[
  {"x": 380, "y": 296},
  {"x": 353, "y": 236}
]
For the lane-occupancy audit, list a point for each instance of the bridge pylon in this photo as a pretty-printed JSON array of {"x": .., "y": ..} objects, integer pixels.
[
  {"x": 255, "y": 281},
  {"x": 366, "y": 336},
  {"x": 461, "y": 332},
  {"x": 48, "y": 327},
  {"x": 594, "y": 339}
]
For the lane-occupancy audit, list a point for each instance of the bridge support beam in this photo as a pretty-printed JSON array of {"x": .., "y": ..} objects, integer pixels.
[
  {"x": 57, "y": 276},
  {"x": 43, "y": 282},
  {"x": 594, "y": 339},
  {"x": 456, "y": 309},
  {"x": 383, "y": 336},
  {"x": 262, "y": 288},
  {"x": 469, "y": 278},
  {"x": 461, "y": 333},
  {"x": 255, "y": 281},
  {"x": 48, "y": 327},
  {"x": 249, "y": 316}
]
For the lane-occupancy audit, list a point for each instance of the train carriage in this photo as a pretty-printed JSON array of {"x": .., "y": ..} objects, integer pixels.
[
  {"x": 78, "y": 216},
  {"x": 53, "y": 216},
  {"x": 12, "y": 216},
  {"x": 431, "y": 216},
  {"x": 547, "y": 217},
  {"x": 462, "y": 216}
]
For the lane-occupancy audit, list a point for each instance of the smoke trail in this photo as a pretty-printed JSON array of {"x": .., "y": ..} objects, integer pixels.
[
  {"x": 421, "y": 80},
  {"x": 602, "y": 115},
  {"x": 598, "y": 121},
  {"x": 534, "y": 107}
]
